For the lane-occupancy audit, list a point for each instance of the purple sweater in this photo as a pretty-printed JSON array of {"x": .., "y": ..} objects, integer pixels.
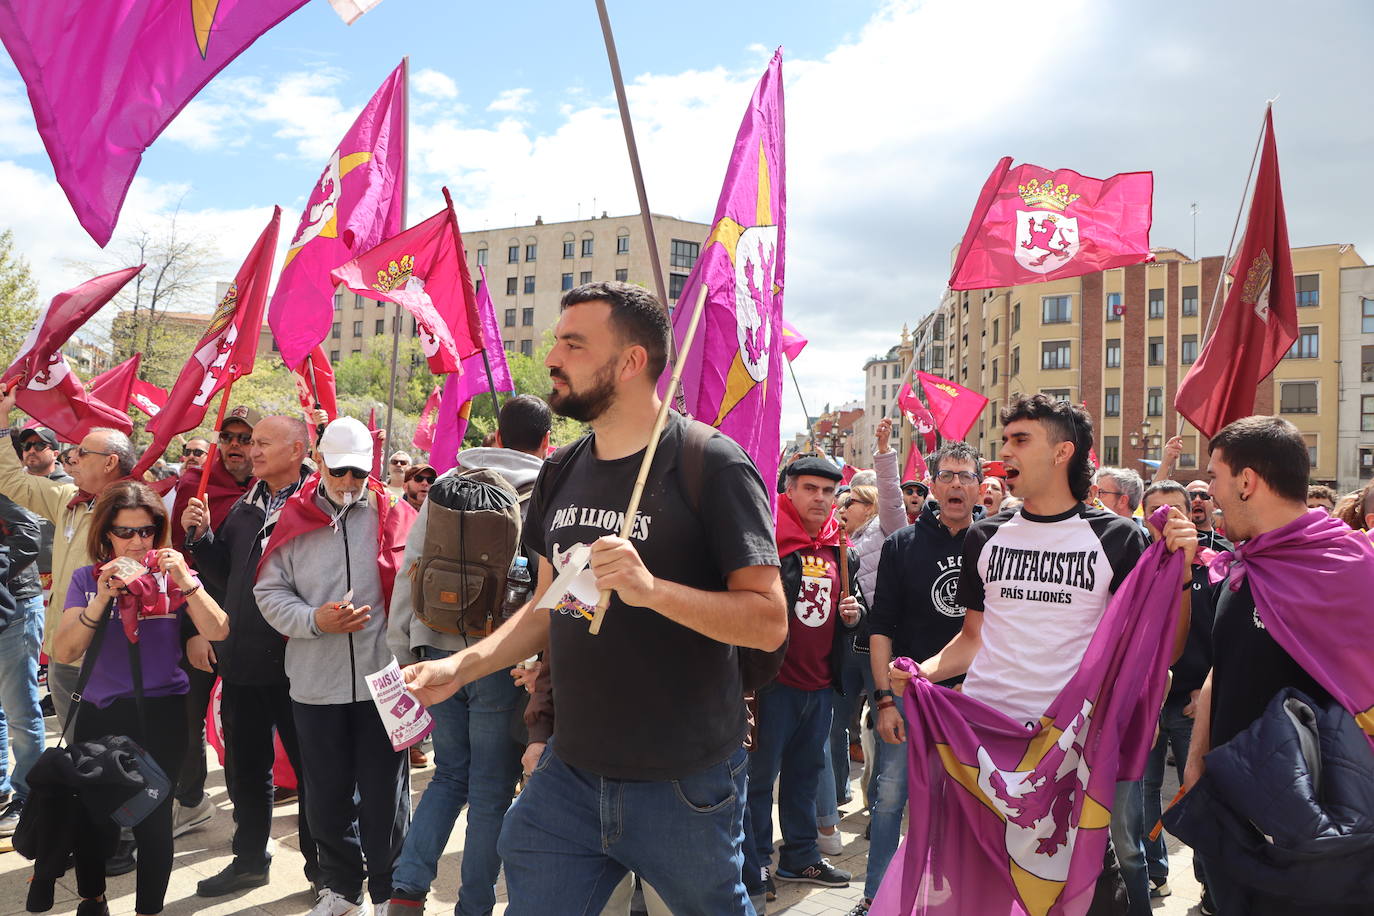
[{"x": 159, "y": 644}]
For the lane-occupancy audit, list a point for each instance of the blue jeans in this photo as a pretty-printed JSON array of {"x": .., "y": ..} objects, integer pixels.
[
  {"x": 476, "y": 763},
  {"x": 21, "y": 718},
  {"x": 571, "y": 836},
  {"x": 1128, "y": 838},
  {"x": 793, "y": 731},
  {"x": 827, "y": 804},
  {"x": 889, "y": 801},
  {"x": 1176, "y": 730}
]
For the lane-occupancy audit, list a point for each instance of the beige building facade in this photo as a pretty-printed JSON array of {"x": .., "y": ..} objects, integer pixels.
[{"x": 1355, "y": 453}]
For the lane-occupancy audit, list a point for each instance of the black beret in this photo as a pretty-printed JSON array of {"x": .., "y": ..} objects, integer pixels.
[{"x": 814, "y": 467}]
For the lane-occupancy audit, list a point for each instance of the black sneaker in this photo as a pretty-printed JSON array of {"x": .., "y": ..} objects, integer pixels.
[
  {"x": 230, "y": 880},
  {"x": 822, "y": 873},
  {"x": 860, "y": 908},
  {"x": 1206, "y": 906},
  {"x": 770, "y": 890},
  {"x": 124, "y": 860},
  {"x": 9, "y": 817}
]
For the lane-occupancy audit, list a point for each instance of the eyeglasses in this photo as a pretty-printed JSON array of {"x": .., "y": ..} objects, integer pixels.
[
  {"x": 1101, "y": 492},
  {"x": 241, "y": 438},
  {"x": 36, "y": 445},
  {"x": 964, "y": 476},
  {"x": 341, "y": 472},
  {"x": 423, "y": 478},
  {"x": 146, "y": 532},
  {"x": 83, "y": 452},
  {"x": 197, "y": 452}
]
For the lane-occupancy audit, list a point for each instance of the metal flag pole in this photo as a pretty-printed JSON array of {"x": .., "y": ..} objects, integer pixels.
[{"x": 405, "y": 192}]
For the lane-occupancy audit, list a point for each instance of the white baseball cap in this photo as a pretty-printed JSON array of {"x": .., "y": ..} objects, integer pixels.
[{"x": 347, "y": 444}]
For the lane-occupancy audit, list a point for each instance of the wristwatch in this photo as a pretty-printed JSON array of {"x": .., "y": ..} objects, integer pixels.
[{"x": 880, "y": 694}]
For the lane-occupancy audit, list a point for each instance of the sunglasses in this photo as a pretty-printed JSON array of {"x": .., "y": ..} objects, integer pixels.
[
  {"x": 399, "y": 464},
  {"x": 197, "y": 452},
  {"x": 83, "y": 452},
  {"x": 910, "y": 490},
  {"x": 241, "y": 438},
  {"x": 341, "y": 472},
  {"x": 423, "y": 478},
  {"x": 128, "y": 534},
  {"x": 1205, "y": 497},
  {"x": 36, "y": 445}
]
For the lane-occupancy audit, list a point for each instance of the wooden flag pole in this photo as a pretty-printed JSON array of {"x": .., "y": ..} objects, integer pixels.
[
  {"x": 211, "y": 453},
  {"x": 632, "y": 510},
  {"x": 405, "y": 188},
  {"x": 844, "y": 565}
]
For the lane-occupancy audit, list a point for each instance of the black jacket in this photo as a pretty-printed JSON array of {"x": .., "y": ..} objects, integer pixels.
[
  {"x": 791, "y": 588},
  {"x": 227, "y": 560},
  {"x": 1292, "y": 824},
  {"x": 20, "y": 535},
  {"x": 918, "y": 574}
]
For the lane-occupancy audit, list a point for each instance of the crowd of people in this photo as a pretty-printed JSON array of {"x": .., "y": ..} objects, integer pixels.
[{"x": 745, "y": 662}]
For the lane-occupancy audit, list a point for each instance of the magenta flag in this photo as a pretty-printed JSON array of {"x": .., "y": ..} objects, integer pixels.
[
  {"x": 357, "y": 202},
  {"x": 1032, "y": 225},
  {"x": 954, "y": 407},
  {"x": 1007, "y": 821},
  {"x": 425, "y": 270},
  {"x": 105, "y": 77},
  {"x": 792, "y": 342},
  {"x": 732, "y": 378},
  {"x": 922, "y": 423},
  {"x": 424, "y": 429},
  {"x": 455, "y": 404}
]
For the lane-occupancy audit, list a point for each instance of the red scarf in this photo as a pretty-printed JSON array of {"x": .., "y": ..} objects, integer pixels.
[
  {"x": 793, "y": 536},
  {"x": 145, "y": 597}
]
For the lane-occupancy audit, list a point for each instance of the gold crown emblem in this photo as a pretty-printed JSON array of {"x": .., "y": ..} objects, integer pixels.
[
  {"x": 1257, "y": 278},
  {"x": 225, "y": 310},
  {"x": 1046, "y": 196},
  {"x": 396, "y": 275},
  {"x": 813, "y": 567},
  {"x": 947, "y": 389}
]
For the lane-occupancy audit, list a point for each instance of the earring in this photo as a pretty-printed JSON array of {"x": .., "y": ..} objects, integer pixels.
[{"x": 1244, "y": 497}]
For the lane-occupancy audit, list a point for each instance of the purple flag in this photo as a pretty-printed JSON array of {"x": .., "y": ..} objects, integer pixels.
[
  {"x": 1007, "y": 821},
  {"x": 460, "y": 387},
  {"x": 732, "y": 378},
  {"x": 105, "y": 77}
]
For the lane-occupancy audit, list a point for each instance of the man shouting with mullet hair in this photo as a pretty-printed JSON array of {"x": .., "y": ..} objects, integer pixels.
[{"x": 646, "y": 767}]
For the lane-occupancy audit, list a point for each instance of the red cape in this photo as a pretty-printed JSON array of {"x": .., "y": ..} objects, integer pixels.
[
  {"x": 302, "y": 514},
  {"x": 221, "y": 493},
  {"x": 792, "y": 535}
]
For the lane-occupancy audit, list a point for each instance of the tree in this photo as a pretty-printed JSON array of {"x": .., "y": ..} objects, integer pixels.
[
  {"x": 529, "y": 377},
  {"x": 18, "y": 299}
]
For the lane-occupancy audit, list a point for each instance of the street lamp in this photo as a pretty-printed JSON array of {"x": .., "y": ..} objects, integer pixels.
[{"x": 1142, "y": 437}]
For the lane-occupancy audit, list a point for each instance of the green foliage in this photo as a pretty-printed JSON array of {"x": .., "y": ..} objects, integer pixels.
[{"x": 18, "y": 299}]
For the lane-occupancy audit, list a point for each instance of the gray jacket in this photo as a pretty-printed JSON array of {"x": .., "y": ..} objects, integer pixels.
[
  {"x": 311, "y": 570},
  {"x": 406, "y": 633}
]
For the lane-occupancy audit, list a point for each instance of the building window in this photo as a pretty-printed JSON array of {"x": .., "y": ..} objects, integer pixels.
[
  {"x": 529, "y": 284},
  {"x": 1155, "y": 351},
  {"x": 333, "y": 356},
  {"x": 1367, "y": 413},
  {"x": 531, "y": 251},
  {"x": 1189, "y": 350},
  {"x": 527, "y": 318},
  {"x": 622, "y": 244},
  {"x": 526, "y": 348},
  {"x": 1156, "y": 303},
  {"x": 1054, "y": 354},
  {"x": 884, "y": 392},
  {"x": 1059, "y": 394},
  {"x": 1366, "y": 462},
  {"x": 1015, "y": 318},
  {"x": 937, "y": 358},
  {"x": 336, "y": 330},
  {"x": 1297, "y": 397},
  {"x": 1367, "y": 315},
  {"x": 1111, "y": 450},
  {"x": 1112, "y": 408},
  {"x": 996, "y": 329},
  {"x": 1367, "y": 364},
  {"x": 884, "y": 369},
  {"x": 481, "y": 257},
  {"x": 1155, "y": 402},
  {"x": 587, "y": 247},
  {"x": 584, "y": 277},
  {"x": 684, "y": 254},
  {"x": 1189, "y": 301},
  {"x": 675, "y": 284},
  {"x": 1055, "y": 310},
  {"x": 1311, "y": 440},
  {"x": 1015, "y": 361},
  {"x": 1309, "y": 290},
  {"x": 622, "y": 274},
  {"x": 381, "y": 326},
  {"x": 357, "y": 300},
  {"x": 567, "y": 249},
  {"x": 567, "y": 282},
  {"x": 938, "y": 333},
  {"x": 994, "y": 378},
  {"x": 355, "y": 352},
  {"x": 511, "y": 284},
  {"x": 513, "y": 254},
  {"x": 510, "y": 318},
  {"x": 1305, "y": 347},
  {"x": 1114, "y": 307},
  {"x": 1114, "y": 353}
]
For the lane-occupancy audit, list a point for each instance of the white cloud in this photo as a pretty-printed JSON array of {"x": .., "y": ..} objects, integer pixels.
[
  {"x": 433, "y": 83},
  {"x": 18, "y": 137},
  {"x": 512, "y": 100}
]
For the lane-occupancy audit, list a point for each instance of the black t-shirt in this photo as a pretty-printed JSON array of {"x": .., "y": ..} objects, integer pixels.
[
  {"x": 648, "y": 698},
  {"x": 1248, "y": 666}
]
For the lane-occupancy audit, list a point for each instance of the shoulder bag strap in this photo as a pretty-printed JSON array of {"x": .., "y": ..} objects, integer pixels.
[
  {"x": 136, "y": 669},
  {"x": 87, "y": 667}
]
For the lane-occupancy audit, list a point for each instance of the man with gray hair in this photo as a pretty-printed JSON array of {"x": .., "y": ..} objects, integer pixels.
[
  {"x": 103, "y": 457},
  {"x": 1119, "y": 490}
]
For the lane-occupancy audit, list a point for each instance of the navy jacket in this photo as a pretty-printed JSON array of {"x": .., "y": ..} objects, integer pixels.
[{"x": 1286, "y": 809}]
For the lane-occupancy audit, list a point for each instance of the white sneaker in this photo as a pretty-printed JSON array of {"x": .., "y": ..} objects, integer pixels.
[
  {"x": 830, "y": 844},
  {"x": 334, "y": 904},
  {"x": 185, "y": 819}
]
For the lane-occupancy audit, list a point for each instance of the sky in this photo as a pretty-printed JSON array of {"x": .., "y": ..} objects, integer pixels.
[{"x": 896, "y": 113}]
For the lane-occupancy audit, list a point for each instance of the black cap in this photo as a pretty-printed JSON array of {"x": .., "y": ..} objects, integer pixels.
[
  {"x": 814, "y": 467},
  {"x": 918, "y": 484},
  {"x": 41, "y": 432}
]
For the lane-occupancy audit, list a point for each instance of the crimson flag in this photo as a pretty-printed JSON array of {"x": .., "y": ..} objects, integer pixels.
[
  {"x": 917, "y": 415},
  {"x": 147, "y": 397},
  {"x": 115, "y": 386},
  {"x": 954, "y": 407},
  {"x": 1258, "y": 321},
  {"x": 378, "y": 443},
  {"x": 1032, "y": 225},
  {"x": 225, "y": 352},
  {"x": 315, "y": 383},
  {"x": 56, "y": 398},
  {"x": 60, "y": 319},
  {"x": 424, "y": 270},
  {"x": 424, "y": 430}
]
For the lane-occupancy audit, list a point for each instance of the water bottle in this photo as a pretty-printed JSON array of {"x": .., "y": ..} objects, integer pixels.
[{"x": 517, "y": 587}]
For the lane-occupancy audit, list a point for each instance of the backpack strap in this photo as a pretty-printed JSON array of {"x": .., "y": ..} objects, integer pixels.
[
  {"x": 557, "y": 464},
  {"x": 692, "y": 462}
]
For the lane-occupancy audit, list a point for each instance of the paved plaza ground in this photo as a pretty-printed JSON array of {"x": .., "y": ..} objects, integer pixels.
[{"x": 204, "y": 851}]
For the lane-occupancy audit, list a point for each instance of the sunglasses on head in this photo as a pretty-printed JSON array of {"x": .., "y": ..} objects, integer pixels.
[
  {"x": 36, "y": 445},
  {"x": 197, "y": 452},
  {"x": 424, "y": 478},
  {"x": 125, "y": 534},
  {"x": 341, "y": 472},
  {"x": 241, "y": 438}
]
